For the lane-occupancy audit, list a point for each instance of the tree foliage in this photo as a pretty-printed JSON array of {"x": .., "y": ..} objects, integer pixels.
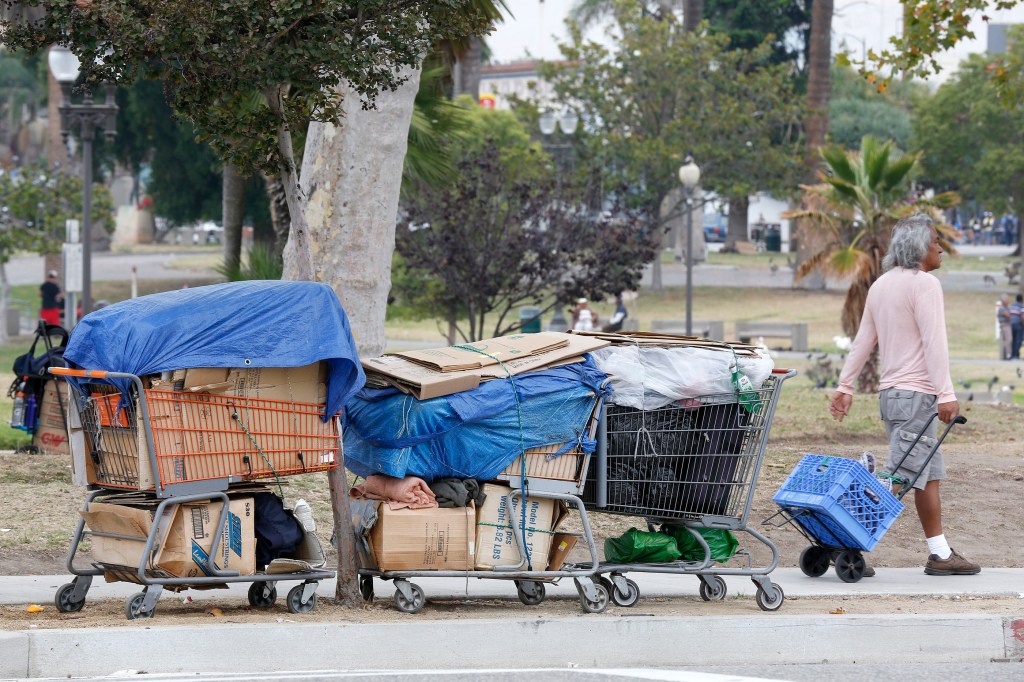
[
  {"x": 507, "y": 231},
  {"x": 660, "y": 92}
]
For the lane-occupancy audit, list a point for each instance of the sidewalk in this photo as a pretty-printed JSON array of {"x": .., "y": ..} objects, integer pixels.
[{"x": 618, "y": 638}]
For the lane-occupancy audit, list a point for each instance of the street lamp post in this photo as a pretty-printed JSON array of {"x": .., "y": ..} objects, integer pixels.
[
  {"x": 87, "y": 116},
  {"x": 567, "y": 123},
  {"x": 689, "y": 175}
]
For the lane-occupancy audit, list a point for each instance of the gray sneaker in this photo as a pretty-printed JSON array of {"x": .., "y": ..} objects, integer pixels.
[{"x": 954, "y": 565}]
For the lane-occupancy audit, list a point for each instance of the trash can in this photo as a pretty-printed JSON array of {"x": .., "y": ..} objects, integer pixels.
[
  {"x": 529, "y": 320},
  {"x": 773, "y": 239}
]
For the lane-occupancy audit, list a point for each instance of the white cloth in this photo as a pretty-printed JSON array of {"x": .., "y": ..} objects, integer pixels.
[{"x": 585, "y": 321}]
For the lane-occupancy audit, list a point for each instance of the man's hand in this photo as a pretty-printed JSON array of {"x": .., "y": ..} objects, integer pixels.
[
  {"x": 949, "y": 411},
  {"x": 839, "y": 406}
]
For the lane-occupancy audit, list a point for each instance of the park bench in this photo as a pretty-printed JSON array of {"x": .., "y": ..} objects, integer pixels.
[
  {"x": 751, "y": 330},
  {"x": 708, "y": 329}
]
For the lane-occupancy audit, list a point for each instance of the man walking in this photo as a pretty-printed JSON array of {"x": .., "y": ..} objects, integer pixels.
[
  {"x": 904, "y": 315},
  {"x": 49, "y": 291}
]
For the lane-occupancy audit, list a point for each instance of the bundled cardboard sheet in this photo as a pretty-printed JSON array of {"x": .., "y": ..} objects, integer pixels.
[{"x": 453, "y": 369}]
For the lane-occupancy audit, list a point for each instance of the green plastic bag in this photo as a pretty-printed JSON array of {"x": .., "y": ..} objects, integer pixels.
[
  {"x": 640, "y": 547},
  {"x": 722, "y": 543}
]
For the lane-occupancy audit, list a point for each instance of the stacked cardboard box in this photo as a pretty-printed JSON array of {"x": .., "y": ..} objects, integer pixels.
[{"x": 51, "y": 434}]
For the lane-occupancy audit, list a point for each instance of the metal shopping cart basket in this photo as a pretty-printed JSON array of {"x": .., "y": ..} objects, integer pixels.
[
  {"x": 843, "y": 509},
  {"x": 693, "y": 464},
  {"x": 178, "y": 448}
]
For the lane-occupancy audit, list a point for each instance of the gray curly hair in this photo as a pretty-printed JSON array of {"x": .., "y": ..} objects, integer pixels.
[{"x": 911, "y": 237}]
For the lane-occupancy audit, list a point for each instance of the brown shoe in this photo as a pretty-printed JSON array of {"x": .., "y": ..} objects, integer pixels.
[{"x": 954, "y": 565}]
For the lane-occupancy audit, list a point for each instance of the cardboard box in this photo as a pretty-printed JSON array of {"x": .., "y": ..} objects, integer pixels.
[
  {"x": 307, "y": 384},
  {"x": 561, "y": 546},
  {"x": 51, "y": 435},
  {"x": 423, "y": 539},
  {"x": 185, "y": 534},
  {"x": 444, "y": 371},
  {"x": 495, "y": 543}
]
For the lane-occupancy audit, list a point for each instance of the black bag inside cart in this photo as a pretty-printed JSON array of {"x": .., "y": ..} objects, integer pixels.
[{"x": 278, "y": 532}]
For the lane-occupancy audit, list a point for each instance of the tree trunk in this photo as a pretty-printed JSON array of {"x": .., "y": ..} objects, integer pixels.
[
  {"x": 351, "y": 176},
  {"x": 280, "y": 221},
  {"x": 737, "y": 231},
  {"x": 298, "y": 251},
  {"x": 469, "y": 69},
  {"x": 693, "y": 13},
  {"x": 346, "y": 591},
  {"x": 819, "y": 85},
  {"x": 233, "y": 214}
]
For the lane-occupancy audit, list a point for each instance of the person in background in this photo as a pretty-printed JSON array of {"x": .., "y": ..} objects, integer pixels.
[
  {"x": 583, "y": 318},
  {"x": 904, "y": 315},
  {"x": 618, "y": 317},
  {"x": 1005, "y": 329},
  {"x": 1016, "y": 326},
  {"x": 49, "y": 290}
]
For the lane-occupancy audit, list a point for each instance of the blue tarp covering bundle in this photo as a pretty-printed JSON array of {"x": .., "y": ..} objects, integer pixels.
[
  {"x": 474, "y": 434},
  {"x": 238, "y": 324}
]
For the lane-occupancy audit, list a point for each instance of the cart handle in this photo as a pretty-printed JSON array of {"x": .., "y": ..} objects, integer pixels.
[{"x": 86, "y": 373}]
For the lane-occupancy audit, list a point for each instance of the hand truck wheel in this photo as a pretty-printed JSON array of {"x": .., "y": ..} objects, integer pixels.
[
  {"x": 770, "y": 602},
  {"x": 849, "y": 565},
  {"x": 260, "y": 597},
  {"x": 133, "y": 607},
  {"x": 64, "y": 601},
  {"x": 366, "y": 587},
  {"x": 815, "y": 560},
  {"x": 599, "y": 604},
  {"x": 414, "y": 605},
  {"x": 295, "y": 603},
  {"x": 712, "y": 588},
  {"x": 631, "y": 596},
  {"x": 530, "y": 592}
]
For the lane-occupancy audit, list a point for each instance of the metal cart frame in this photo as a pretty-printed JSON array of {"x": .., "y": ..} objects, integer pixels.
[
  {"x": 692, "y": 509},
  {"x": 71, "y": 596}
]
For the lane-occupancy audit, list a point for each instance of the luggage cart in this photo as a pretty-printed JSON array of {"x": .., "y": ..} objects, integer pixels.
[
  {"x": 179, "y": 448},
  {"x": 843, "y": 509},
  {"x": 693, "y": 464},
  {"x": 536, "y": 474}
]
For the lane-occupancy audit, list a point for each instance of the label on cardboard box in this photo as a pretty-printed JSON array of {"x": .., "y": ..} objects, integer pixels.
[{"x": 494, "y": 536}]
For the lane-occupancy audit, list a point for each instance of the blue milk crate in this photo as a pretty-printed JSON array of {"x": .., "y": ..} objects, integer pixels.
[{"x": 838, "y": 502}]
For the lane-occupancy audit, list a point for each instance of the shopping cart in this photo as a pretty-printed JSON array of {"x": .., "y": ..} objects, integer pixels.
[
  {"x": 537, "y": 474},
  {"x": 843, "y": 509},
  {"x": 693, "y": 464},
  {"x": 182, "y": 448}
]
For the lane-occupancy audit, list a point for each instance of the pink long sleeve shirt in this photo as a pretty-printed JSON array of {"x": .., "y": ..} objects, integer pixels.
[{"x": 905, "y": 316}]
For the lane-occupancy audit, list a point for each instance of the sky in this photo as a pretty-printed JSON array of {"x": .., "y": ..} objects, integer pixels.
[{"x": 537, "y": 25}]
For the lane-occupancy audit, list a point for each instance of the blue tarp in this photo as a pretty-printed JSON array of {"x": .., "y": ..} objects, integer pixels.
[
  {"x": 473, "y": 434},
  {"x": 238, "y": 324}
]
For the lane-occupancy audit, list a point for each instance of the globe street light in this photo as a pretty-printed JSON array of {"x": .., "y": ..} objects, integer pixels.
[
  {"x": 689, "y": 175},
  {"x": 87, "y": 116},
  {"x": 567, "y": 123}
]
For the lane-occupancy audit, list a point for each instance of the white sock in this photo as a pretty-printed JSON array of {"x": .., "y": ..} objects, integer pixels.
[{"x": 939, "y": 547}]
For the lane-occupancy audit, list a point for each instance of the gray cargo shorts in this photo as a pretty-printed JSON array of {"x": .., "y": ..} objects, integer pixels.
[{"x": 905, "y": 413}]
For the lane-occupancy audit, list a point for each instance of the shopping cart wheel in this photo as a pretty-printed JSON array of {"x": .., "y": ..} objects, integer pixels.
[
  {"x": 413, "y": 605},
  {"x": 815, "y": 560},
  {"x": 770, "y": 602},
  {"x": 295, "y": 603},
  {"x": 630, "y": 598},
  {"x": 849, "y": 565},
  {"x": 597, "y": 606},
  {"x": 260, "y": 597},
  {"x": 64, "y": 599},
  {"x": 366, "y": 587},
  {"x": 530, "y": 592},
  {"x": 712, "y": 588},
  {"x": 133, "y": 607}
]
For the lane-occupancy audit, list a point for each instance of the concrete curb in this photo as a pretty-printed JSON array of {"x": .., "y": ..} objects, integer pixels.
[{"x": 596, "y": 641}]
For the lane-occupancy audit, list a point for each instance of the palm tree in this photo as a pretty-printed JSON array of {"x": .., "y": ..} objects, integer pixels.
[{"x": 851, "y": 213}]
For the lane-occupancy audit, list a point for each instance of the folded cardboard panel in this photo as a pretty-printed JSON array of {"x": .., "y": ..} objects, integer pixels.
[
  {"x": 423, "y": 539},
  {"x": 51, "y": 435},
  {"x": 307, "y": 384}
]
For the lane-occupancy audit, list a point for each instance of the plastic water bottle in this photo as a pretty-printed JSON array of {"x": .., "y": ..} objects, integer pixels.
[
  {"x": 18, "y": 415},
  {"x": 305, "y": 515},
  {"x": 30, "y": 413}
]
